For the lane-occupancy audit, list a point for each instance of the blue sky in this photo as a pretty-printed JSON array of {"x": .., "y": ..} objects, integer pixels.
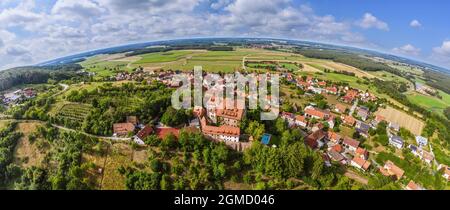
[{"x": 34, "y": 31}]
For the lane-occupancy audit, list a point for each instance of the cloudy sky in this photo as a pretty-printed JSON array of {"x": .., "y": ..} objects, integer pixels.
[{"x": 32, "y": 31}]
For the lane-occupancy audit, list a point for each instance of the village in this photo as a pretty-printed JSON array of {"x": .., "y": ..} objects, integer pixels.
[
  {"x": 319, "y": 125},
  {"x": 17, "y": 96}
]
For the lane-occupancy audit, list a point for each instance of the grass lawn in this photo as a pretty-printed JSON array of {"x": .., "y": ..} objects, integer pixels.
[{"x": 430, "y": 102}]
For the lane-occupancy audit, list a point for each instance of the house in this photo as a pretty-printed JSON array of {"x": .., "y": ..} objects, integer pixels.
[
  {"x": 360, "y": 163},
  {"x": 337, "y": 148},
  {"x": 123, "y": 129},
  {"x": 363, "y": 113},
  {"x": 413, "y": 186},
  {"x": 426, "y": 156},
  {"x": 396, "y": 141},
  {"x": 421, "y": 141},
  {"x": 312, "y": 112},
  {"x": 330, "y": 122},
  {"x": 350, "y": 96},
  {"x": 362, "y": 153},
  {"x": 316, "y": 139},
  {"x": 301, "y": 121},
  {"x": 348, "y": 120},
  {"x": 223, "y": 133},
  {"x": 289, "y": 117},
  {"x": 339, "y": 108},
  {"x": 229, "y": 115},
  {"x": 350, "y": 144},
  {"x": 362, "y": 128},
  {"x": 333, "y": 137},
  {"x": 142, "y": 134},
  {"x": 331, "y": 90},
  {"x": 390, "y": 169},
  {"x": 414, "y": 150},
  {"x": 322, "y": 83},
  {"x": 317, "y": 126},
  {"x": 336, "y": 156},
  {"x": 163, "y": 132},
  {"x": 446, "y": 173},
  {"x": 265, "y": 139},
  {"x": 377, "y": 120},
  {"x": 394, "y": 126}
]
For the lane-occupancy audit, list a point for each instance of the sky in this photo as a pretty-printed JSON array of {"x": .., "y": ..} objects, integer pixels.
[{"x": 33, "y": 31}]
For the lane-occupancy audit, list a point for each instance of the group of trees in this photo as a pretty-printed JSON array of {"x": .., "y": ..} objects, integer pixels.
[
  {"x": 69, "y": 173},
  {"x": 35, "y": 75},
  {"x": 204, "y": 164},
  {"x": 8, "y": 141}
]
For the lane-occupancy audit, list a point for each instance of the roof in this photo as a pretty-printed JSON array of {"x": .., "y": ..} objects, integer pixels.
[
  {"x": 351, "y": 142},
  {"x": 300, "y": 118},
  {"x": 397, "y": 139},
  {"x": 340, "y": 107},
  {"x": 333, "y": 136},
  {"x": 123, "y": 127},
  {"x": 349, "y": 119},
  {"x": 311, "y": 140},
  {"x": 361, "y": 151},
  {"x": 413, "y": 186},
  {"x": 287, "y": 115},
  {"x": 163, "y": 132},
  {"x": 390, "y": 169},
  {"x": 226, "y": 112},
  {"x": 219, "y": 130},
  {"x": 146, "y": 131},
  {"x": 361, "y": 162},
  {"x": 331, "y": 89},
  {"x": 337, "y": 148},
  {"x": 316, "y": 112},
  {"x": 336, "y": 156},
  {"x": 427, "y": 156},
  {"x": 379, "y": 118},
  {"x": 265, "y": 139}
]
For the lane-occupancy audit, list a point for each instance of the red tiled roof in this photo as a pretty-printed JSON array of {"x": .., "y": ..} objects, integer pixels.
[
  {"x": 390, "y": 169},
  {"x": 163, "y": 132},
  {"x": 300, "y": 118},
  {"x": 123, "y": 128},
  {"x": 220, "y": 130},
  {"x": 413, "y": 186},
  {"x": 311, "y": 140},
  {"x": 349, "y": 120},
  {"x": 146, "y": 131},
  {"x": 337, "y": 148},
  {"x": 351, "y": 142},
  {"x": 361, "y": 162},
  {"x": 340, "y": 107},
  {"x": 332, "y": 89},
  {"x": 316, "y": 112},
  {"x": 333, "y": 136},
  {"x": 361, "y": 151}
]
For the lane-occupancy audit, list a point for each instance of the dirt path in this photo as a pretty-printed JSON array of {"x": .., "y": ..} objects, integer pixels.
[{"x": 352, "y": 175}]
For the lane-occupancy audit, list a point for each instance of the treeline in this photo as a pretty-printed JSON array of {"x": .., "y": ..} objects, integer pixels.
[
  {"x": 350, "y": 59},
  {"x": 35, "y": 75},
  {"x": 8, "y": 141},
  {"x": 438, "y": 80},
  {"x": 179, "y": 47}
]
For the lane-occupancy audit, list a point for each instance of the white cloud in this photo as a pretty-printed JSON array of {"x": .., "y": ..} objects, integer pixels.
[
  {"x": 407, "y": 50},
  {"x": 441, "y": 54},
  {"x": 370, "y": 21},
  {"x": 85, "y": 9},
  {"x": 415, "y": 24},
  {"x": 219, "y": 4},
  {"x": 16, "y": 50}
]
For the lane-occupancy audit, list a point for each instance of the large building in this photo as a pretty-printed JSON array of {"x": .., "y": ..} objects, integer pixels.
[
  {"x": 223, "y": 133},
  {"x": 221, "y": 112}
]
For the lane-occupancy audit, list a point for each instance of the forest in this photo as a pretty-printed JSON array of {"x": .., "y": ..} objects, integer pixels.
[{"x": 35, "y": 75}]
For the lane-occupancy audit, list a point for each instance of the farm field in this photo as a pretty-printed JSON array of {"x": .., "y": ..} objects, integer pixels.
[
  {"x": 402, "y": 118},
  {"x": 429, "y": 102}
]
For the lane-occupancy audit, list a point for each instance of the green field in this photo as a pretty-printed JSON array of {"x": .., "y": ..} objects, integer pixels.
[
  {"x": 162, "y": 57},
  {"x": 430, "y": 102},
  {"x": 102, "y": 67}
]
